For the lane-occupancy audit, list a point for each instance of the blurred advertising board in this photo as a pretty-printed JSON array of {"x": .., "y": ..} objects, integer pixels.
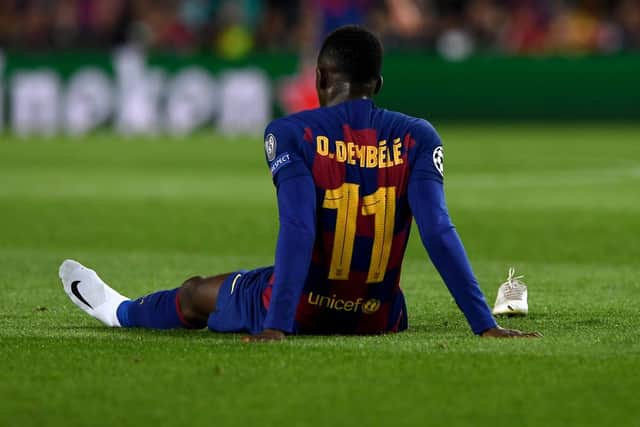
[
  {"x": 134, "y": 93},
  {"x": 133, "y": 96}
]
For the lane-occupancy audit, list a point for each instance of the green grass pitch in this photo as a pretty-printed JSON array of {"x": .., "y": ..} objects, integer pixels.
[{"x": 561, "y": 203}]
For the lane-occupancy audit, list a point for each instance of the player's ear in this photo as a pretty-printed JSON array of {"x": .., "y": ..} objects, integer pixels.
[
  {"x": 321, "y": 80},
  {"x": 378, "y": 85}
]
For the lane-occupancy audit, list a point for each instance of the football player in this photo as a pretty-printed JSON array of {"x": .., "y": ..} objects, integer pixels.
[{"x": 349, "y": 177}]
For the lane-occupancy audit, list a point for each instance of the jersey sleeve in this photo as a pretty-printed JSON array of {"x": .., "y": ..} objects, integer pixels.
[
  {"x": 440, "y": 239},
  {"x": 428, "y": 156},
  {"x": 297, "y": 218},
  {"x": 283, "y": 152}
]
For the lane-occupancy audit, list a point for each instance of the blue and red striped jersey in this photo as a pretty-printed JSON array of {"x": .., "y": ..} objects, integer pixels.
[{"x": 360, "y": 158}]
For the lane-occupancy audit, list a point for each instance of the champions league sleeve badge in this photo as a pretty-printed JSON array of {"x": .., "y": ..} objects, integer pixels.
[
  {"x": 438, "y": 159},
  {"x": 270, "y": 147}
]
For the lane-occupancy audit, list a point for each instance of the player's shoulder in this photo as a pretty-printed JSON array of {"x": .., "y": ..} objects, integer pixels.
[
  {"x": 298, "y": 121},
  {"x": 420, "y": 130},
  {"x": 412, "y": 124},
  {"x": 282, "y": 125},
  {"x": 281, "y": 134},
  {"x": 286, "y": 135},
  {"x": 293, "y": 130}
]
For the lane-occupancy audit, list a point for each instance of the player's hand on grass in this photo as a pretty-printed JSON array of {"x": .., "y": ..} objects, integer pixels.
[
  {"x": 266, "y": 335},
  {"x": 499, "y": 332}
]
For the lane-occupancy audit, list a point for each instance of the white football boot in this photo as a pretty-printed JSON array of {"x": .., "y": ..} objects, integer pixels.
[
  {"x": 90, "y": 293},
  {"x": 512, "y": 297}
]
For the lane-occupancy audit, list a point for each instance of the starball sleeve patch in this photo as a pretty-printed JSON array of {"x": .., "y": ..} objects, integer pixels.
[
  {"x": 270, "y": 146},
  {"x": 438, "y": 159}
]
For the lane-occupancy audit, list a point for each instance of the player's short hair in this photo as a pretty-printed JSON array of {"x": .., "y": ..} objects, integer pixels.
[{"x": 355, "y": 52}]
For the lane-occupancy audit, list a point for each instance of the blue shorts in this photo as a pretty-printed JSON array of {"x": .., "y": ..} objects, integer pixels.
[{"x": 239, "y": 307}]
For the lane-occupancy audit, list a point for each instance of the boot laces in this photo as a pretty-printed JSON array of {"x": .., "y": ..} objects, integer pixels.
[{"x": 514, "y": 287}]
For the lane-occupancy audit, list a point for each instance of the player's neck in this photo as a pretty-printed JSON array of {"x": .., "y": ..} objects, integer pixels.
[{"x": 344, "y": 96}]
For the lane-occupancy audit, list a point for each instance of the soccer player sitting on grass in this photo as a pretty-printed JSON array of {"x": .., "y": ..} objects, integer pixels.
[{"x": 349, "y": 178}]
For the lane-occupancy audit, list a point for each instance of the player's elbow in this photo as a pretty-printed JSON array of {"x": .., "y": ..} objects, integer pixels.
[
  {"x": 436, "y": 231},
  {"x": 435, "y": 226},
  {"x": 438, "y": 234}
]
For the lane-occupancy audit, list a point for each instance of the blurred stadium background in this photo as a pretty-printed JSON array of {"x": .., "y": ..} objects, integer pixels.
[
  {"x": 537, "y": 103},
  {"x": 175, "y": 66}
]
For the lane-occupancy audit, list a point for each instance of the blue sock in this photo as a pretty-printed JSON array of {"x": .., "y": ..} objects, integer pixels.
[{"x": 159, "y": 310}]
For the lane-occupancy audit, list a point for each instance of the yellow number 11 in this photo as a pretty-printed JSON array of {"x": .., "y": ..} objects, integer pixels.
[{"x": 382, "y": 204}]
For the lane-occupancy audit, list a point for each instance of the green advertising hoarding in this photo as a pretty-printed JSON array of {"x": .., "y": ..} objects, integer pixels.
[{"x": 243, "y": 95}]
